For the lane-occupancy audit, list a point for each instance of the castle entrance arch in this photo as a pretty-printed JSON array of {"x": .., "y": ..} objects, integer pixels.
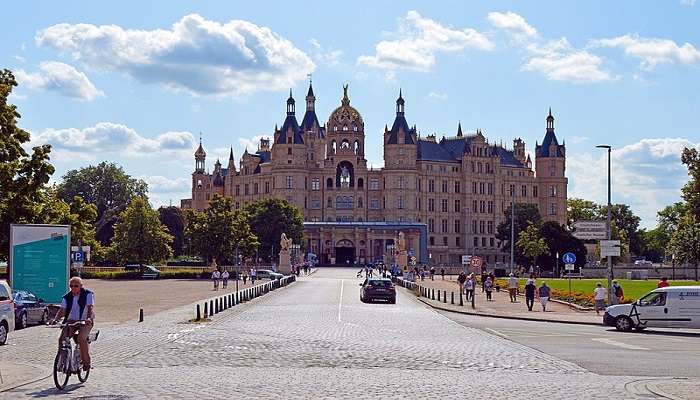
[{"x": 344, "y": 252}]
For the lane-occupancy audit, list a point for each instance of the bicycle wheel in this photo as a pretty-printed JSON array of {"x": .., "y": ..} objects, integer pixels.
[
  {"x": 83, "y": 375},
  {"x": 60, "y": 370}
]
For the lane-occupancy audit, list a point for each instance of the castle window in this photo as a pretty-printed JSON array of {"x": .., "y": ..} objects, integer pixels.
[
  {"x": 478, "y": 166},
  {"x": 491, "y": 242},
  {"x": 534, "y": 191},
  {"x": 481, "y": 187},
  {"x": 345, "y": 128},
  {"x": 444, "y": 205},
  {"x": 552, "y": 209},
  {"x": 444, "y": 186},
  {"x": 400, "y": 182},
  {"x": 359, "y": 202},
  {"x": 199, "y": 183},
  {"x": 490, "y": 207},
  {"x": 444, "y": 243},
  {"x": 432, "y": 241},
  {"x": 431, "y": 204},
  {"x": 458, "y": 187},
  {"x": 474, "y": 206},
  {"x": 267, "y": 187},
  {"x": 360, "y": 183},
  {"x": 458, "y": 206},
  {"x": 335, "y": 128},
  {"x": 457, "y": 225},
  {"x": 238, "y": 190},
  {"x": 431, "y": 186},
  {"x": 374, "y": 184},
  {"x": 523, "y": 191},
  {"x": 476, "y": 241},
  {"x": 329, "y": 183},
  {"x": 344, "y": 202},
  {"x": 444, "y": 226},
  {"x": 483, "y": 242},
  {"x": 290, "y": 182},
  {"x": 458, "y": 242},
  {"x": 208, "y": 196},
  {"x": 552, "y": 191},
  {"x": 246, "y": 189},
  {"x": 356, "y": 146},
  {"x": 374, "y": 204},
  {"x": 315, "y": 204},
  {"x": 399, "y": 203},
  {"x": 354, "y": 128},
  {"x": 329, "y": 202},
  {"x": 315, "y": 184},
  {"x": 255, "y": 188},
  {"x": 489, "y": 226},
  {"x": 490, "y": 188},
  {"x": 431, "y": 225},
  {"x": 345, "y": 144}
]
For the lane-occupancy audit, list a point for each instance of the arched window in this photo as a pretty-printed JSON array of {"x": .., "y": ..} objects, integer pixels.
[
  {"x": 345, "y": 144},
  {"x": 360, "y": 183},
  {"x": 329, "y": 182},
  {"x": 356, "y": 147},
  {"x": 334, "y": 147},
  {"x": 345, "y": 128},
  {"x": 329, "y": 202},
  {"x": 354, "y": 128},
  {"x": 335, "y": 128}
]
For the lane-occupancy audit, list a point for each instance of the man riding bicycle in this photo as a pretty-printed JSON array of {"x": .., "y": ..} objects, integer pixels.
[{"x": 77, "y": 305}]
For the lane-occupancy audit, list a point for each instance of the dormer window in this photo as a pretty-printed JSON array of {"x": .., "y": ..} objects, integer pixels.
[
  {"x": 354, "y": 128},
  {"x": 335, "y": 128},
  {"x": 345, "y": 128}
]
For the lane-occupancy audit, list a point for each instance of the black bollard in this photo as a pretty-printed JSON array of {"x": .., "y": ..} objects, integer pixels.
[
  {"x": 199, "y": 315},
  {"x": 461, "y": 300},
  {"x": 432, "y": 291},
  {"x": 206, "y": 309},
  {"x": 438, "y": 295},
  {"x": 473, "y": 296},
  {"x": 226, "y": 302},
  {"x": 444, "y": 296},
  {"x": 140, "y": 314},
  {"x": 452, "y": 298},
  {"x": 211, "y": 307}
]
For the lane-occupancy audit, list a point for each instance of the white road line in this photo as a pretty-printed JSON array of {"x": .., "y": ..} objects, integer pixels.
[
  {"x": 340, "y": 300},
  {"x": 497, "y": 333},
  {"x": 618, "y": 344}
]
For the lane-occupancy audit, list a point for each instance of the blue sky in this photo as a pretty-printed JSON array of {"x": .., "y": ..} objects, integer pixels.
[{"x": 136, "y": 82}]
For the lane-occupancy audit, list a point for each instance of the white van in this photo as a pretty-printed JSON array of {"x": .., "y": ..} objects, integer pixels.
[
  {"x": 669, "y": 307},
  {"x": 7, "y": 311}
]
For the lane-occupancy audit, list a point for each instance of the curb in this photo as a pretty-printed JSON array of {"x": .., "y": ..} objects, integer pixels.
[{"x": 478, "y": 314}]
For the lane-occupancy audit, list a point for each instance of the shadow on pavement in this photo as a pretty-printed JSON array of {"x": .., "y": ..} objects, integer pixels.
[{"x": 658, "y": 333}]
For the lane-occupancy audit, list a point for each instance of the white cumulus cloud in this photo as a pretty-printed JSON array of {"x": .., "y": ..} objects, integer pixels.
[
  {"x": 162, "y": 184},
  {"x": 688, "y": 3},
  {"x": 418, "y": 41},
  {"x": 652, "y": 51},
  {"x": 109, "y": 137},
  {"x": 647, "y": 175},
  {"x": 513, "y": 23},
  {"x": 559, "y": 61},
  {"x": 62, "y": 78},
  {"x": 196, "y": 55}
]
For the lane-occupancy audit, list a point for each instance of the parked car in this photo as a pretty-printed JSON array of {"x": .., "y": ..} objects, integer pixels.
[
  {"x": 269, "y": 274},
  {"x": 377, "y": 289},
  {"x": 669, "y": 307},
  {"x": 7, "y": 311},
  {"x": 150, "y": 271},
  {"x": 643, "y": 263},
  {"x": 29, "y": 310}
]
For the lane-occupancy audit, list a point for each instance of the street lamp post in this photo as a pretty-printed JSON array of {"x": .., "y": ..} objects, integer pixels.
[
  {"x": 512, "y": 227},
  {"x": 609, "y": 227}
]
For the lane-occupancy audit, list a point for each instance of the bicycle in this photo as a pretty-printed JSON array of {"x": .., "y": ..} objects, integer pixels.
[{"x": 68, "y": 360}]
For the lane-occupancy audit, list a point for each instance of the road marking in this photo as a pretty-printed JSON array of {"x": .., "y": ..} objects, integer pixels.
[
  {"x": 619, "y": 344},
  {"x": 340, "y": 300},
  {"x": 497, "y": 333}
]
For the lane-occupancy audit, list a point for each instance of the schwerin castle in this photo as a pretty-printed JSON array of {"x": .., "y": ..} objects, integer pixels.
[{"x": 446, "y": 195}]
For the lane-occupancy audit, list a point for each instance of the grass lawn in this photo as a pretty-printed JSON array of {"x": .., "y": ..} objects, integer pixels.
[{"x": 633, "y": 289}]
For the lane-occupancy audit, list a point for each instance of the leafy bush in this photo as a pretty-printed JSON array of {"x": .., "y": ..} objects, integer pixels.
[{"x": 169, "y": 274}]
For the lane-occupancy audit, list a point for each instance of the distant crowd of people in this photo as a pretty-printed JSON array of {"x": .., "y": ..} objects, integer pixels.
[{"x": 222, "y": 277}]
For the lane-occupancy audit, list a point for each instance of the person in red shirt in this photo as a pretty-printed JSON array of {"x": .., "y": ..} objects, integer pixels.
[{"x": 663, "y": 282}]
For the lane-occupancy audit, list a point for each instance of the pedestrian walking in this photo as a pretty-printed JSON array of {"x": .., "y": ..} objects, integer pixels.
[
  {"x": 544, "y": 296},
  {"x": 483, "y": 281},
  {"x": 245, "y": 277},
  {"x": 461, "y": 278},
  {"x": 442, "y": 272},
  {"x": 224, "y": 278},
  {"x": 512, "y": 287},
  {"x": 488, "y": 287},
  {"x": 599, "y": 294},
  {"x": 432, "y": 273},
  {"x": 618, "y": 293},
  {"x": 663, "y": 282},
  {"x": 215, "y": 276},
  {"x": 469, "y": 286},
  {"x": 253, "y": 275},
  {"x": 530, "y": 290}
]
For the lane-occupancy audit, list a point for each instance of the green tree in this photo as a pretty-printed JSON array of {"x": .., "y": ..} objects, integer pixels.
[
  {"x": 172, "y": 218},
  {"x": 220, "y": 231},
  {"x": 22, "y": 176},
  {"x": 580, "y": 210},
  {"x": 525, "y": 214},
  {"x": 531, "y": 243},
  {"x": 627, "y": 225},
  {"x": 108, "y": 187},
  {"x": 654, "y": 243},
  {"x": 691, "y": 190},
  {"x": 685, "y": 242},
  {"x": 559, "y": 240},
  {"x": 78, "y": 214},
  {"x": 139, "y": 236},
  {"x": 269, "y": 218}
]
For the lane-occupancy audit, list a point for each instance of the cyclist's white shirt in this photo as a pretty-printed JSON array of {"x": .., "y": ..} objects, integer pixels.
[{"x": 75, "y": 310}]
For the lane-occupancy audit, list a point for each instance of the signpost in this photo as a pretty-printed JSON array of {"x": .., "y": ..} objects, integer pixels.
[
  {"x": 466, "y": 260},
  {"x": 40, "y": 260},
  {"x": 569, "y": 260},
  {"x": 587, "y": 230},
  {"x": 610, "y": 248}
]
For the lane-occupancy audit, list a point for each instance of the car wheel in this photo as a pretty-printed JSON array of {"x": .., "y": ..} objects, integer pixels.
[
  {"x": 22, "y": 321},
  {"x": 623, "y": 323},
  {"x": 3, "y": 333}
]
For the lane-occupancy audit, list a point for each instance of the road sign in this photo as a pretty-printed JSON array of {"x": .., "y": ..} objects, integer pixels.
[
  {"x": 568, "y": 258},
  {"x": 609, "y": 243},
  {"x": 466, "y": 260},
  {"x": 586, "y": 230},
  {"x": 77, "y": 256},
  {"x": 569, "y": 267}
]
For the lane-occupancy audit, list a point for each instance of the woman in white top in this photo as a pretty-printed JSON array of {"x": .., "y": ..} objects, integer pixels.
[
  {"x": 599, "y": 294},
  {"x": 215, "y": 276}
]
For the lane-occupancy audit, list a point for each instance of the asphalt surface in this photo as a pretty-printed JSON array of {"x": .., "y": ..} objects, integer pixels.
[{"x": 603, "y": 350}]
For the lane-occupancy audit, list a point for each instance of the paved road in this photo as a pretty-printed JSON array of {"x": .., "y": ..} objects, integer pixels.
[
  {"x": 603, "y": 350},
  {"x": 315, "y": 339}
]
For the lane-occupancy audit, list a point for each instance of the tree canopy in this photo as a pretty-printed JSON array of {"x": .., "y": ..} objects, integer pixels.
[
  {"x": 531, "y": 242},
  {"x": 108, "y": 187},
  {"x": 580, "y": 210},
  {"x": 139, "y": 236},
  {"x": 220, "y": 231},
  {"x": 172, "y": 218},
  {"x": 269, "y": 218},
  {"x": 23, "y": 176},
  {"x": 559, "y": 240},
  {"x": 525, "y": 214}
]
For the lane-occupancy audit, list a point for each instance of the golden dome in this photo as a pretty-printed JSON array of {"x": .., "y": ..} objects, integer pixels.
[{"x": 345, "y": 117}]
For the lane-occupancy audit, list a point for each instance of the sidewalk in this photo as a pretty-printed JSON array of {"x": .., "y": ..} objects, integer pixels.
[
  {"x": 14, "y": 374},
  {"x": 501, "y": 307}
]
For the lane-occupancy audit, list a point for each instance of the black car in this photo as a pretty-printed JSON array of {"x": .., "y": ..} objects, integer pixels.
[
  {"x": 377, "y": 289},
  {"x": 29, "y": 310}
]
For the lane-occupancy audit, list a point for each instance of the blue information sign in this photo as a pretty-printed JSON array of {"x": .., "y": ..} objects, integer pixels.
[{"x": 568, "y": 258}]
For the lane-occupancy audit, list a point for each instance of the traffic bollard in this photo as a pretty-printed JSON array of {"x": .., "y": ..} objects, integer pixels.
[
  {"x": 461, "y": 301},
  {"x": 444, "y": 296},
  {"x": 140, "y": 314},
  {"x": 452, "y": 298},
  {"x": 211, "y": 307},
  {"x": 438, "y": 295},
  {"x": 432, "y": 291},
  {"x": 206, "y": 309},
  {"x": 473, "y": 296},
  {"x": 199, "y": 315}
]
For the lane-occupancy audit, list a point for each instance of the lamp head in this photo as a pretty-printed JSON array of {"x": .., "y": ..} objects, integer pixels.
[{"x": 604, "y": 146}]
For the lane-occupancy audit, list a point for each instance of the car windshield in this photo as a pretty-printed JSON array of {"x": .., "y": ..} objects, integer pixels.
[
  {"x": 379, "y": 283},
  {"x": 653, "y": 299}
]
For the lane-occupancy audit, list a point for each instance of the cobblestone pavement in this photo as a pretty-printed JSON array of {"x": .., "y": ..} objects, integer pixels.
[{"x": 315, "y": 339}]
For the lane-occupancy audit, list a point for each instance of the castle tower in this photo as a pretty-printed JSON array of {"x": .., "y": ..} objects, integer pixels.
[
  {"x": 550, "y": 170},
  {"x": 400, "y": 141}
]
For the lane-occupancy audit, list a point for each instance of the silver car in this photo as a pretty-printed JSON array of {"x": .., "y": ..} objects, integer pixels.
[{"x": 7, "y": 311}]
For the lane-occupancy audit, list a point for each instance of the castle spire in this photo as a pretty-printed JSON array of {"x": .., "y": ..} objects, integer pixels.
[
  {"x": 550, "y": 120},
  {"x": 290, "y": 104},
  {"x": 400, "y": 104},
  {"x": 459, "y": 129}
]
